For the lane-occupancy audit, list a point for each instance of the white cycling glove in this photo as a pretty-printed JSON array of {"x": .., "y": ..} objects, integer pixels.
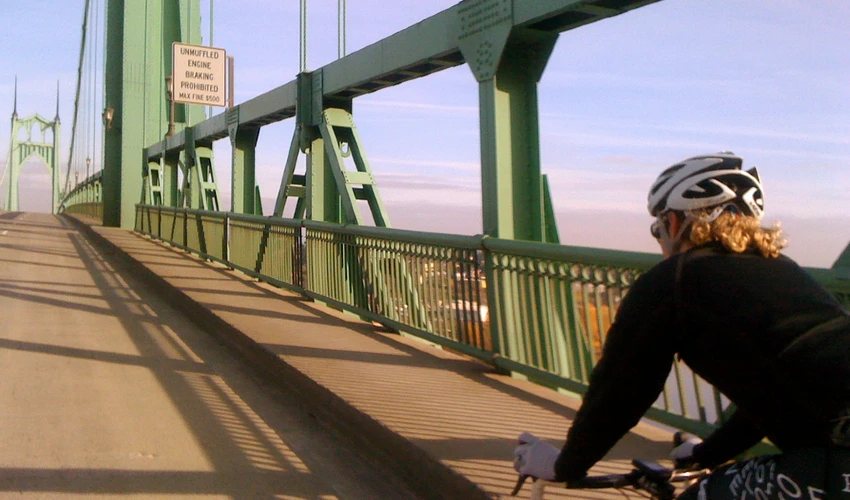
[
  {"x": 535, "y": 457},
  {"x": 685, "y": 451}
]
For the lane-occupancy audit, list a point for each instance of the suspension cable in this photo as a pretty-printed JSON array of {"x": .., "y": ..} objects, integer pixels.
[
  {"x": 77, "y": 95},
  {"x": 94, "y": 104},
  {"x": 86, "y": 104}
]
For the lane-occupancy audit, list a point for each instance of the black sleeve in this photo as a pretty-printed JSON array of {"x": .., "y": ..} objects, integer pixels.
[
  {"x": 635, "y": 363},
  {"x": 735, "y": 436}
]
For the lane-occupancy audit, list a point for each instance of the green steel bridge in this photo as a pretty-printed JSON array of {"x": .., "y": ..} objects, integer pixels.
[{"x": 511, "y": 297}]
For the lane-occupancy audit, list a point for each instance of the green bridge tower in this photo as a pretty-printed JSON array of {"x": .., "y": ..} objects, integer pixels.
[
  {"x": 139, "y": 38},
  {"x": 22, "y": 150}
]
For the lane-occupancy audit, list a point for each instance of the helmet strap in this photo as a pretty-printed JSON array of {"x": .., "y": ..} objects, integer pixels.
[{"x": 673, "y": 243}]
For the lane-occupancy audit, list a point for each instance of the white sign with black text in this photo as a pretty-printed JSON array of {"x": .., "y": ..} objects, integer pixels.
[{"x": 198, "y": 75}]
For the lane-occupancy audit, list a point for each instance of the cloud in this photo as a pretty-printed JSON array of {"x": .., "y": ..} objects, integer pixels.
[
  {"x": 580, "y": 123},
  {"x": 632, "y": 82},
  {"x": 611, "y": 140},
  {"x": 464, "y": 166},
  {"x": 414, "y": 190},
  {"x": 419, "y": 106},
  {"x": 390, "y": 183},
  {"x": 645, "y": 80}
]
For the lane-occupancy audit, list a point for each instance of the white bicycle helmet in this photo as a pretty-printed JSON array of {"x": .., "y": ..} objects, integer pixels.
[{"x": 709, "y": 181}]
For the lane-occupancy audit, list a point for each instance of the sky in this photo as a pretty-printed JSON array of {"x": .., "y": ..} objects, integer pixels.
[{"x": 620, "y": 100}]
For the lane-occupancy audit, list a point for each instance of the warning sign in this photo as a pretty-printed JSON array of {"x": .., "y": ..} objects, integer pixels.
[{"x": 198, "y": 74}]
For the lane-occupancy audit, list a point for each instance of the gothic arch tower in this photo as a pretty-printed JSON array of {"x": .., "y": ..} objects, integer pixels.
[{"x": 20, "y": 150}]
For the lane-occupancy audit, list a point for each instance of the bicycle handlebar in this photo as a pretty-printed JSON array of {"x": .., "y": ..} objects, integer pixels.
[{"x": 648, "y": 476}]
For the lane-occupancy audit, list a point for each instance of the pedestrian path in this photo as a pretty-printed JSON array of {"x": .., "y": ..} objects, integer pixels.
[{"x": 108, "y": 391}]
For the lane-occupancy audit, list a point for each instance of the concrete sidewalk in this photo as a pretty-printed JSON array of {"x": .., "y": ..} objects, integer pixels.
[{"x": 443, "y": 423}]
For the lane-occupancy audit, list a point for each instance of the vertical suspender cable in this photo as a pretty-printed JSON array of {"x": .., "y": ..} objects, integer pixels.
[
  {"x": 165, "y": 72},
  {"x": 145, "y": 85},
  {"x": 85, "y": 103},
  {"x": 303, "y": 34},
  {"x": 103, "y": 84},
  {"x": 85, "y": 132},
  {"x": 341, "y": 24},
  {"x": 90, "y": 112},
  {"x": 94, "y": 104},
  {"x": 87, "y": 96},
  {"x": 211, "y": 24},
  {"x": 77, "y": 96},
  {"x": 211, "y": 45}
]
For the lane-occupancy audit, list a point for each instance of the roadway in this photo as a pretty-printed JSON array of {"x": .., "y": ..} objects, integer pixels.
[{"x": 134, "y": 369}]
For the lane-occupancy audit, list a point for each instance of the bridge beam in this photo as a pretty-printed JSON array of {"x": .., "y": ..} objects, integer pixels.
[
  {"x": 243, "y": 182},
  {"x": 843, "y": 260},
  {"x": 508, "y": 69},
  {"x": 170, "y": 178},
  {"x": 323, "y": 200},
  {"x": 508, "y": 62}
]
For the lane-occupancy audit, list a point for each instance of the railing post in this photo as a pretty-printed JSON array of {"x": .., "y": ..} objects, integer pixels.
[
  {"x": 225, "y": 244},
  {"x": 185, "y": 228}
]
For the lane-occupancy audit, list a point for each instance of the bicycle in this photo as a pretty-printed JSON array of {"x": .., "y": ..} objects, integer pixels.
[{"x": 650, "y": 477}]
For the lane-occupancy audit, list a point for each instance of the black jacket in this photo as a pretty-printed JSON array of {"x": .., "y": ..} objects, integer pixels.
[{"x": 761, "y": 330}]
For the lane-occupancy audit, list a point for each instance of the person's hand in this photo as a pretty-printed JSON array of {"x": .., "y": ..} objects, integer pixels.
[
  {"x": 683, "y": 454},
  {"x": 535, "y": 457}
]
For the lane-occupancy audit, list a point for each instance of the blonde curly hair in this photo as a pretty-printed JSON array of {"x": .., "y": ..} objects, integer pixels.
[{"x": 738, "y": 233}]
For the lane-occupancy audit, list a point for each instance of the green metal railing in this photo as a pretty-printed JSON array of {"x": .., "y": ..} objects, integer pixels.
[
  {"x": 89, "y": 209},
  {"x": 86, "y": 198},
  {"x": 551, "y": 304}
]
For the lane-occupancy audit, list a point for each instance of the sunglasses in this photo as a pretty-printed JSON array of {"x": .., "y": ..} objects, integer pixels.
[{"x": 655, "y": 230}]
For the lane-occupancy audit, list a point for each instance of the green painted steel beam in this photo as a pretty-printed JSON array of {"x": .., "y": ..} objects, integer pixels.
[
  {"x": 273, "y": 106},
  {"x": 290, "y": 187},
  {"x": 843, "y": 260},
  {"x": 337, "y": 128},
  {"x": 433, "y": 44},
  {"x": 512, "y": 188},
  {"x": 427, "y": 47},
  {"x": 424, "y": 48},
  {"x": 243, "y": 175},
  {"x": 170, "y": 179},
  {"x": 322, "y": 200},
  {"x": 559, "y": 15},
  {"x": 550, "y": 231},
  {"x": 270, "y": 107}
]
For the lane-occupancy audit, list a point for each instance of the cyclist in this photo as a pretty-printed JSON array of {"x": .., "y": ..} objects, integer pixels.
[{"x": 745, "y": 318}]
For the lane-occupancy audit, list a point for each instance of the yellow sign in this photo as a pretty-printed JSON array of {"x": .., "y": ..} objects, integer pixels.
[{"x": 198, "y": 74}]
